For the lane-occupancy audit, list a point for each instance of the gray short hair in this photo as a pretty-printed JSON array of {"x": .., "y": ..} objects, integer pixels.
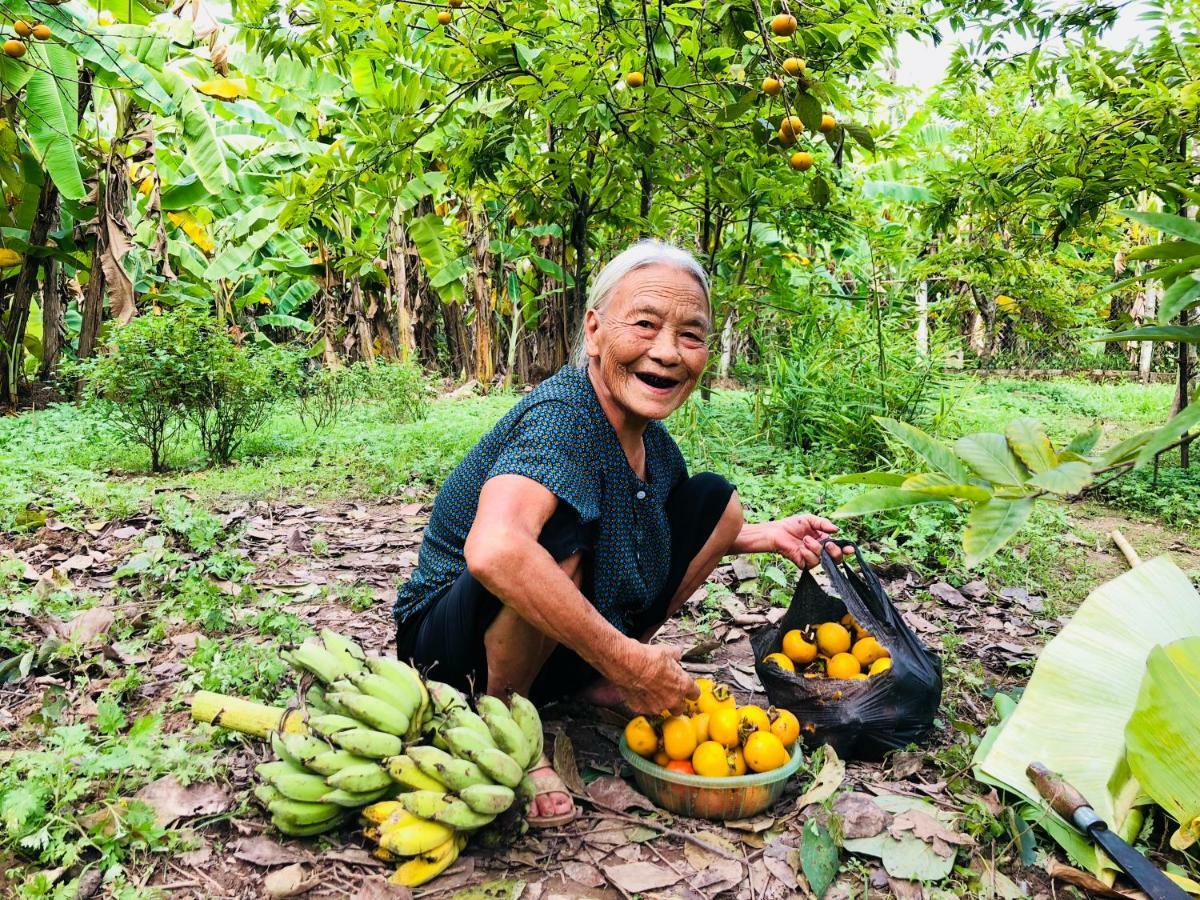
[{"x": 644, "y": 253}]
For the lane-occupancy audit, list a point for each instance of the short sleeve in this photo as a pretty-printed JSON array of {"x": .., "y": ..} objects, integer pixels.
[{"x": 552, "y": 444}]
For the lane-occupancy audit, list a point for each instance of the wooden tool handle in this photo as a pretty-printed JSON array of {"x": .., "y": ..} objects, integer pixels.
[{"x": 1063, "y": 798}]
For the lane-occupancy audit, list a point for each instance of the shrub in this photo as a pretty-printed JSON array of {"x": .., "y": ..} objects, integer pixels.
[
  {"x": 230, "y": 389},
  {"x": 138, "y": 383},
  {"x": 400, "y": 387},
  {"x": 325, "y": 393}
]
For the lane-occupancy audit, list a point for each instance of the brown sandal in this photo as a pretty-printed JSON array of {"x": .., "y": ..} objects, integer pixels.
[{"x": 546, "y": 781}]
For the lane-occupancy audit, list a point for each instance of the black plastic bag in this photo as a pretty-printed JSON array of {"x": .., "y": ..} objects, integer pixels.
[{"x": 860, "y": 719}]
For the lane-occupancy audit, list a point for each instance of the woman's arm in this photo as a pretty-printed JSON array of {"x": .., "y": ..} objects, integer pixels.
[
  {"x": 503, "y": 553},
  {"x": 796, "y": 537}
]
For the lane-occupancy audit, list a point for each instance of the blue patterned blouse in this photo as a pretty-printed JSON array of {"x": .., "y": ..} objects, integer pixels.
[{"x": 558, "y": 436}]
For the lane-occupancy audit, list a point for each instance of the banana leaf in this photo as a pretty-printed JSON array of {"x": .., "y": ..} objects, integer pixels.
[
  {"x": 1084, "y": 689},
  {"x": 1163, "y": 736}
]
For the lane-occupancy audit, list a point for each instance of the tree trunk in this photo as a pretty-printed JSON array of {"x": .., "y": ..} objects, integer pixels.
[
  {"x": 12, "y": 347},
  {"x": 923, "y": 318},
  {"x": 360, "y": 324},
  {"x": 481, "y": 290},
  {"x": 1146, "y": 348},
  {"x": 401, "y": 296},
  {"x": 54, "y": 323},
  {"x": 458, "y": 342},
  {"x": 647, "y": 199}
]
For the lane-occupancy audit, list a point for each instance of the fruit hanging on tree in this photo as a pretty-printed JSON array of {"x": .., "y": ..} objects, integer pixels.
[
  {"x": 772, "y": 86},
  {"x": 783, "y": 25},
  {"x": 791, "y": 127},
  {"x": 444, "y": 17},
  {"x": 22, "y": 28},
  {"x": 828, "y": 123},
  {"x": 801, "y": 161},
  {"x": 41, "y": 31},
  {"x": 14, "y": 48},
  {"x": 794, "y": 66},
  {"x": 635, "y": 79}
]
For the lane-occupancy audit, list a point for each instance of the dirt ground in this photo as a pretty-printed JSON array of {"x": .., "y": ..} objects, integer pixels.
[{"x": 620, "y": 846}]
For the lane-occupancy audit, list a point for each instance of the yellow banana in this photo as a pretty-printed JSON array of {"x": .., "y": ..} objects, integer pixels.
[
  {"x": 406, "y": 773},
  {"x": 379, "y": 812},
  {"x": 414, "y": 837},
  {"x": 429, "y": 865}
]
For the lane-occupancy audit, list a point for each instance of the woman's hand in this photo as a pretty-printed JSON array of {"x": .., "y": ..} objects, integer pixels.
[
  {"x": 799, "y": 538},
  {"x": 655, "y": 680}
]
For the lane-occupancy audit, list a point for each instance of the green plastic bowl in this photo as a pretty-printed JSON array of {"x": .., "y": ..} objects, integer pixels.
[{"x": 735, "y": 797}]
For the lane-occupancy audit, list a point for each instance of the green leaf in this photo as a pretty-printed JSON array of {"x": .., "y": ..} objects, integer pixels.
[
  {"x": 818, "y": 857},
  {"x": 941, "y": 486},
  {"x": 1176, "y": 226},
  {"x": 1073, "y": 713},
  {"x": 1126, "y": 449},
  {"x": 808, "y": 108},
  {"x": 1065, "y": 478},
  {"x": 937, "y": 454},
  {"x": 1167, "y": 250},
  {"x": 888, "y": 479},
  {"x": 282, "y": 320},
  {"x": 1181, "y": 295},
  {"x": 1163, "y": 734},
  {"x": 884, "y": 499},
  {"x": 204, "y": 150},
  {"x": 991, "y": 525},
  {"x": 989, "y": 455},
  {"x": 1183, "y": 422},
  {"x": 1189, "y": 334},
  {"x": 1084, "y": 442},
  {"x": 861, "y": 135},
  {"x": 1028, "y": 440},
  {"x": 50, "y": 137}
]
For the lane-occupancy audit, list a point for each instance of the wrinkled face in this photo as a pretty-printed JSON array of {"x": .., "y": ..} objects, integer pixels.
[{"x": 650, "y": 343}]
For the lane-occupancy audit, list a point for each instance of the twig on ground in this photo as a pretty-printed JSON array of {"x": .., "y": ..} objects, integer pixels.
[{"x": 682, "y": 835}]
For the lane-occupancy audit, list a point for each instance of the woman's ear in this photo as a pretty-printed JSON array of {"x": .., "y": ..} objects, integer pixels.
[{"x": 591, "y": 332}]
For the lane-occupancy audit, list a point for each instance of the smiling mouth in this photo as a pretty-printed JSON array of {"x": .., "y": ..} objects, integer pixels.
[{"x": 661, "y": 382}]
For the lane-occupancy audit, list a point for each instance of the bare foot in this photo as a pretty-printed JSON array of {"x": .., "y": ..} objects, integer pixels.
[{"x": 552, "y": 805}]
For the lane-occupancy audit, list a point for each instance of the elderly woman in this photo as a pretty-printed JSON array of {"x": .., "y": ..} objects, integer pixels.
[{"x": 572, "y": 530}]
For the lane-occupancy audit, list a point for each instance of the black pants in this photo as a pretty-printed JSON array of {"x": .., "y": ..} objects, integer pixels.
[{"x": 446, "y": 638}]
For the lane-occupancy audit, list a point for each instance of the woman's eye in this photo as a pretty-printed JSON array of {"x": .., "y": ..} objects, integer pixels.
[{"x": 644, "y": 323}]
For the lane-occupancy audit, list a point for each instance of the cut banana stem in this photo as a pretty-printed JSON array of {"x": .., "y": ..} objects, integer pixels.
[{"x": 245, "y": 716}]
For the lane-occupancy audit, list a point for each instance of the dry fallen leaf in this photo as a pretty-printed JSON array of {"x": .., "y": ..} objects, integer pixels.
[
  {"x": 583, "y": 873},
  {"x": 1085, "y": 880},
  {"x": 828, "y": 780},
  {"x": 290, "y": 882},
  {"x": 90, "y": 624},
  {"x": 638, "y": 877},
  {"x": 721, "y": 875},
  {"x": 170, "y": 800},
  {"x": 906, "y": 764},
  {"x": 861, "y": 816},
  {"x": 930, "y": 830},
  {"x": 565, "y": 765},
  {"x": 376, "y": 887},
  {"x": 615, "y": 793}
]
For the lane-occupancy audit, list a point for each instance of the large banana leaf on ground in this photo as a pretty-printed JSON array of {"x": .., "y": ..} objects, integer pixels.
[
  {"x": 1163, "y": 736},
  {"x": 1084, "y": 690}
]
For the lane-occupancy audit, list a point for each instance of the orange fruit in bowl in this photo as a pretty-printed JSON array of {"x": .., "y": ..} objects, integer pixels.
[
  {"x": 661, "y": 758},
  {"x": 737, "y": 761},
  {"x": 679, "y": 737},
  {"x": 682, "y": 766},
  {"x": 711, "y": 760},
  {"x": 753, "y": 718},
  {"x": 718, "y": 698},
  {"x": 797, "y": 648},
  {"x": 785, "y": 726},
  {"x": 723, "y": 727},
  {"x": 764, "y": 752},
  {"x": 700, "y": 727},
  {"x": 641, "y": 736}
]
